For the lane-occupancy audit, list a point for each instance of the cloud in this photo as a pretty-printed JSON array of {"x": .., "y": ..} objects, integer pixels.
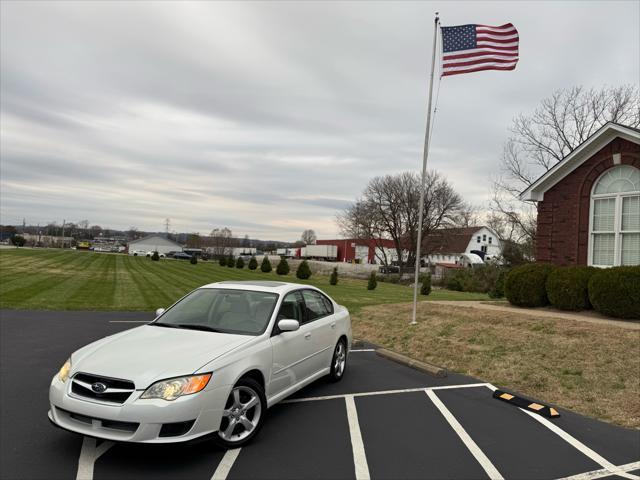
[{"x": 265, "y": 117}]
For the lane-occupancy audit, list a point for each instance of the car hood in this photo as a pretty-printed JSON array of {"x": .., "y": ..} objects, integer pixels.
[{"x": 147, "y": 354}]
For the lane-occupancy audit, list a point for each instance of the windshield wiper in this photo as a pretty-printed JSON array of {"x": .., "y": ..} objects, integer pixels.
[
  {"x": 192, "y": 326},
  {"x": 186, "y": 326}
]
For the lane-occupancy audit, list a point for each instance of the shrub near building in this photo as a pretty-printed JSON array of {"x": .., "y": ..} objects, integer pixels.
[
  {"x": 567, "y": 287},
  {"x": 525, "y": 285},
  {"x": 616, "y": 291},
  {"x": 253, "y": 263}
]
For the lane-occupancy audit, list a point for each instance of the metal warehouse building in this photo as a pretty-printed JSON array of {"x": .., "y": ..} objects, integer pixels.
[{"x": 154, "y": 243}]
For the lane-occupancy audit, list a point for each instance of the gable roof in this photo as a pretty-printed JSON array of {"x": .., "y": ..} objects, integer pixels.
[
  {"x": 450, "y": 240},
  {"x": 159, "y": 239},
  {"x": 582, "y": 153}
]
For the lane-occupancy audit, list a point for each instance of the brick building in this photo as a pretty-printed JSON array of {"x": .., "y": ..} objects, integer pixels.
[{"x": 589, "y": 203}]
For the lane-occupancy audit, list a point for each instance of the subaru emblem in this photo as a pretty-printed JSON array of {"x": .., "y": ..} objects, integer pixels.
[{"x": 99, "y": 387}]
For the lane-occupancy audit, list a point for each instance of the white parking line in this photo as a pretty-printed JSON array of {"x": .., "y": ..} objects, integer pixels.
[
  {"x": 577, "y": 444},
  {"x": 89, "y": 453},
  {"x": 384, "y": 392},
  {"x": 226, "y": 463},
  {"x": 362, "y": 350},
  {"x": 603, "y": 472},
  {"x": 479, "y": 455},
  {"x": 359, "y": 456}
]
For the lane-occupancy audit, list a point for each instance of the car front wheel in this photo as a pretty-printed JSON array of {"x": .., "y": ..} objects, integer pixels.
[
  {"x": 243, "y": 414},
  {"x": 338, "y": 361}
]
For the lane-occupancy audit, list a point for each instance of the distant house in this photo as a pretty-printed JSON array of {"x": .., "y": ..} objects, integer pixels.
[
  {"x": 589, "y": 203},
  {"x": 461, "y": 246},
  {"x": 154, "y": 243}
]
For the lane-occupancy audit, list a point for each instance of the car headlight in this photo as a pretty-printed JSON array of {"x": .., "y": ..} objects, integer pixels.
[
  {"x": 63, "y": 374},
  {"x": 173, "y": 388}
]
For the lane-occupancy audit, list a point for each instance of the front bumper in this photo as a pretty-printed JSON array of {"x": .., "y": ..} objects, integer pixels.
[{"x": 137, "y": 420}]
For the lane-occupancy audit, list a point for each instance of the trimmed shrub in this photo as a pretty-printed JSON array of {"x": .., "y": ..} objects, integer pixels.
[
  {"x": 567, "y": 287},
  {"x": 223, "y": 261},
  {"x": 240, "y": 262},
  {"x": 425, "y": 288},
  {"x": 231, "y": 262},
  {"x": 193, "y": 260},
  {"x": 333, "y": 279},
  {"x": 18, "y": 240},
  {"x": 253, "y": 263},
  {"x": 266, "y": 265},
  {"x": 525, "y": 285},
  {"x": 303, "y": 271},
  {"x": 283, "y": 267},
  {"x": 616, "y": 291},
  {"x": 155, "y": 256},
  {"x": 481, "y": 278},
  {"x": 498, "y": 288},
  {"x": 372, "y": 283}
]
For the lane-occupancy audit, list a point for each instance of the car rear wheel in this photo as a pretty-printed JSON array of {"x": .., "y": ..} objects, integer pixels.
[
  {"x": 243, "y": 414},
  {"x": 338, "y": 361}
]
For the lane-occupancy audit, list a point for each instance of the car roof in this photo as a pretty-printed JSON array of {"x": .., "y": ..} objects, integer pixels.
[{"x": 258, "y": 285}]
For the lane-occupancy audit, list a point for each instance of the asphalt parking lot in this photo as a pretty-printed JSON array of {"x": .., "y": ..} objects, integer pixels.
[{"x": 383, "y": 421}]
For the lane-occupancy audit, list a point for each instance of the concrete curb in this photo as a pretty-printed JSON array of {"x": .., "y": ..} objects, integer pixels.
[{"x": 415, "y": 364}]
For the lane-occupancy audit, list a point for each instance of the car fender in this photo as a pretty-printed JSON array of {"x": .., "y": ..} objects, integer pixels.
[{"x": 230, "y": 367}]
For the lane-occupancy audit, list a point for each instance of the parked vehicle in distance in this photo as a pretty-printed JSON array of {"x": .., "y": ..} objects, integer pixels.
[
  {"x": 389, "y": 269},
  {"x": 182, "y": 256},
  {"x": 138, "y": 253},
  {"x": 150, "y": 254},
  {"x": 212, "y": 363}
]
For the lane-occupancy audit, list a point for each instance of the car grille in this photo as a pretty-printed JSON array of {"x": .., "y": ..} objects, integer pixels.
[{"x": 117, "y": 391}]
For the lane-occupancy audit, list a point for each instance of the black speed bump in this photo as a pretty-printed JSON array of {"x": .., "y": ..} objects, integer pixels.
[{"x": 525, "y": 403}]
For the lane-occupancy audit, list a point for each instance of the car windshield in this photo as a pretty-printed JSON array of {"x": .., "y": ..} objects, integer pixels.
[{"x": 221, "y": 310}]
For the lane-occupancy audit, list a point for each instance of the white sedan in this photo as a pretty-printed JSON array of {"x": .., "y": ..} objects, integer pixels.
[{"x": 210, "y": 364}]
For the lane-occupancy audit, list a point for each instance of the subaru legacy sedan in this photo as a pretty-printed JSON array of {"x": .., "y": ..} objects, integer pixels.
[{"x": 212, "y": 363}]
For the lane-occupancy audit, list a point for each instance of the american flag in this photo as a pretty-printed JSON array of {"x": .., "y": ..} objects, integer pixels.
[{"x": 471, "y": 48}]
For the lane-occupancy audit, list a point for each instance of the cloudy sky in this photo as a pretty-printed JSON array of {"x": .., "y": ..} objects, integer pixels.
[{"x": 266, "y": 117}]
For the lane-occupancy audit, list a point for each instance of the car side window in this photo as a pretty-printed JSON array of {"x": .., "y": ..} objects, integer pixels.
[
  {"x": 316, "y": 305},
  {"x": 291, "y": 307}
]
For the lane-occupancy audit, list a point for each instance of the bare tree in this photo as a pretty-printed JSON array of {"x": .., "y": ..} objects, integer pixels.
[
  {"x": 221, "y": 241},
  {"x": 309, "y": 237},
  {"x": 540, "y": 140},
  {"x": 389, "y": 209}
]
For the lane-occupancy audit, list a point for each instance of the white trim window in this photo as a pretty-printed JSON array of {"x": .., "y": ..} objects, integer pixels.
[{"x": 614, "y": 220}]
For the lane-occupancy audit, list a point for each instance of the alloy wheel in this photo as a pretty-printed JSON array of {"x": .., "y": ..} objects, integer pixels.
[
  {"x": 339, "y": 359},
  {"x": 241, "y": 415}
]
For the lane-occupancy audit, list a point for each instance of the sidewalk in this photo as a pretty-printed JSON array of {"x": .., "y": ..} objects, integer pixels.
[{"x": 546, "y": 312}]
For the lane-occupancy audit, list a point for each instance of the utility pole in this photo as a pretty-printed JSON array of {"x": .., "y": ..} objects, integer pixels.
[
  {"x": 167, "y": 224},
  {"x": 63, "y": 223}
]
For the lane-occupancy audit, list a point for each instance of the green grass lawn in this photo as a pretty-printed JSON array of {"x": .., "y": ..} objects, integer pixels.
[{"x": 79, "y": 280}]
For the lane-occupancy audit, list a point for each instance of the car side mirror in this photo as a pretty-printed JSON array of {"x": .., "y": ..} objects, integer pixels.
[
  {"x": 288, "y": 325},
  {"x": 159, "y": 312}
]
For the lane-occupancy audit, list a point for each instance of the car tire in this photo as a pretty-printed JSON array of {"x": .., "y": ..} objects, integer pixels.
[
  {"x": 246, "y": 392},
  {"x": 338, "y": 361}
]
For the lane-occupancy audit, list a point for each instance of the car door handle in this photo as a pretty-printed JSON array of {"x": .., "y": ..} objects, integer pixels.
[
  {"x": 307, "y": 336},
  {"x": 333, "y": 325}
]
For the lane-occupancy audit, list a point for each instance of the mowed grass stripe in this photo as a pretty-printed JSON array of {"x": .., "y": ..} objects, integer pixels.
[
  {"x": 164, "y": 291},
  {"x": 35, "y": 291},
  {"x": 99, "y": 288}
]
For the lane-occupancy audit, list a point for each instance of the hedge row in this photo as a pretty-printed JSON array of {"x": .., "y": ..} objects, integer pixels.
[{"x": 610, "y": 291}]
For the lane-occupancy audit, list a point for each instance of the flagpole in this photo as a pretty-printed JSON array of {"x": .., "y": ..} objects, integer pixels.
[{"x": 425, "y": 155}]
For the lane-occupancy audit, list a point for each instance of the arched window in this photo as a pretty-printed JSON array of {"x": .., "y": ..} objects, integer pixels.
[{"x": 614, "y": 228}]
